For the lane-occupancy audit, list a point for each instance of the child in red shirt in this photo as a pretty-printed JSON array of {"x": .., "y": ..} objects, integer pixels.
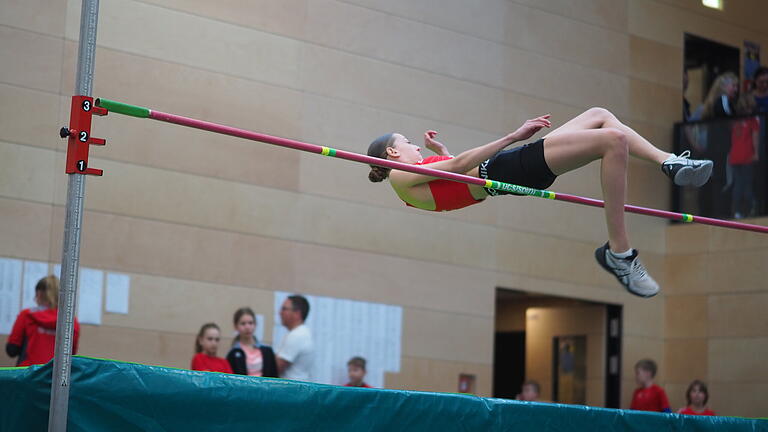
[
  {"x": 356, "y": 372},
  {"x": 33, "y": 338},
  {"x": 206, "y": 346},
  {"x": 697, "y": 396},
  {"x": 649, "y": 396}
]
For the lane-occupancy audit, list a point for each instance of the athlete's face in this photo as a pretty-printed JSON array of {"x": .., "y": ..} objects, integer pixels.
[{"x": 404, "y": 151}]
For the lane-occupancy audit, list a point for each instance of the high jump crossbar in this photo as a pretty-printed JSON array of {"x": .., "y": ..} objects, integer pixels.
[{"x": 141, "y": 112}]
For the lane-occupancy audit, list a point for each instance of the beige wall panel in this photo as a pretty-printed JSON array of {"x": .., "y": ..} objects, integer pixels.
[
  {"x": 602, "y": 13},
  {"x": 34, "y": 59},
  {"x": 28, "y": 116},
  {"x": 520, "y": 107},
  {"x": 194, "y": 41},
  {"x": 370, "y": 33},
  {"x": 27, "y": 172},
  {"x": 184, "y": 252},
  {"x": 654, "y": 103},
  {"x": 687, "y": 317},
  {"x": 724, "y": 366},
  {"x": 643, "y": 317},
  {"x": 664, "y": 23},
  {"x": 659, "y": 135},
  {"x": 688, "y": 274},
  {"x": 156, "y": 248},
  {"x": 25, "y": 230},
  {"x": 438, "y": 376},
  {"x": 741, "y": 315},
  {"x": 749, "y": 403},
  {"x": 689, "y": 238},
  {"x": 140, "y": 346},
  {"x": 587, "y": 45},
  {"x": 567, "y": 83},
  {"x": 41, "y": 16},
  {"x": 735, "y": 271},
  {"x": 284, "y": 17},
  {"x": 435, "y": 335},
  {"x": 686, "y": 360},
  {"x": 647, "y": 186},
  {"x": 656, "y": 62},
  {"x": 487, "y": 22},
  {"x": 676, "y": 395},
  {"x": 394, "y": 280},
  {"x": 182, "y": 306},
  {"x": 402, "y": 89}
]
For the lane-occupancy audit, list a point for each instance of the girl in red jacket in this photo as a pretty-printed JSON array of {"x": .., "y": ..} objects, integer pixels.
[
  {"x": 33, "y": 338},
  {"x": 206, "y": 347}
]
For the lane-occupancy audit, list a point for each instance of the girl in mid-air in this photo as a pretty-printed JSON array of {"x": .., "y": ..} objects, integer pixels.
[{"x": 595, "y": 134}]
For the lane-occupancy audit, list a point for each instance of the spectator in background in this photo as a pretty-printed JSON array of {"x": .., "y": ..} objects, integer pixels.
[
  {"x": 648, "y": 396},
  {"x": 247, "y": 356},
  {"x": 697, "y": 397},
  {"x": 530, "y": 392},
  {"x": 742, "y": 157},
  {"x": 33, "y": 338},
  {"x": 759, "y": 93},
  {"x": 356, "y": 371},
  {"x": 206, "y": 350},
  {"x": 721, "y": 99},
  {"x": 294, "y": 358}
]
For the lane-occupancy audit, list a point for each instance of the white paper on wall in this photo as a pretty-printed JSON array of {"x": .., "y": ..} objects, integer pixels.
[
  {"x": 10, "y": 292},
  {"x": 33, "y": 272},
  {"x": 118, "y": 293},
  {"x": 342, "y": 329},
  {"x": 90, "y": 296}
]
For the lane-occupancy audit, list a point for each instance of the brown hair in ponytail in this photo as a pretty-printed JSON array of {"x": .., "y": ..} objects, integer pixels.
[{"x": 378, "y": 148}]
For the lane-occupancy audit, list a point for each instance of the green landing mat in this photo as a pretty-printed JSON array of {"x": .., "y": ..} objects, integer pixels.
[{"x": 115, "y": 396}]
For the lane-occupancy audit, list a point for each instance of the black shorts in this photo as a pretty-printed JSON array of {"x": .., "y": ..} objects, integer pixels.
[{"x": 522, "y": 166}]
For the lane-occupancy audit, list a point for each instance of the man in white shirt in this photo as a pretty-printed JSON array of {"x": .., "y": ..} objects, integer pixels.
[{"x": 294, "y": 357}]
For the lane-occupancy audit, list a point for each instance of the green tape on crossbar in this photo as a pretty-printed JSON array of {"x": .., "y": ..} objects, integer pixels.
[{"x": 123, "y": 108}]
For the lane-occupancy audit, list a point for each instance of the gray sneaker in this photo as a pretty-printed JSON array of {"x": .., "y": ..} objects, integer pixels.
[
  {"x": 685, "y": 172},
  {"x": 629, "y": 271}
]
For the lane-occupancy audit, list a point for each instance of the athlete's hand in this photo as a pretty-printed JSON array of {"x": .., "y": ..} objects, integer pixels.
[
  {"x": 530, "y": 127},
  {"x": 432, "y": 144}
]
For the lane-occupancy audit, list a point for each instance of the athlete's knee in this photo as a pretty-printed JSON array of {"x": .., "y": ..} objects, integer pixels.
[
  {"x": 616, "y": 140},
  {"x": 600, "y": 114}
]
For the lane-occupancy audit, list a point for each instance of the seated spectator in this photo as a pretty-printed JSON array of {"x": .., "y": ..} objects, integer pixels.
[
  {"x": 648, "y": 396},
  {"x": 356, "y": 371},
  {"x": 697, "y": 397},
  {"x": 530, "y": 391},
  {"x": 33, "y": 337},
  {"x": 206, "y": 349},
  {"x": 248, "y": 356}
]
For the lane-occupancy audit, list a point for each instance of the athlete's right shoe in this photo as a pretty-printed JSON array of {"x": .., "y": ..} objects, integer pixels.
[
  {"x": 629, "y": 271},
  {"x": 684, "y": 171}
]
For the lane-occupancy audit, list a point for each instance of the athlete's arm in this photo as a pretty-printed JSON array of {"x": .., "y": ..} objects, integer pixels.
[
  {"x": 434, "y": 145},
  {"x": 472, "y": 157}
]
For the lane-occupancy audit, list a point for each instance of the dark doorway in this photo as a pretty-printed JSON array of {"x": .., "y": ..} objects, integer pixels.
[{"x": 508, "y": 364}]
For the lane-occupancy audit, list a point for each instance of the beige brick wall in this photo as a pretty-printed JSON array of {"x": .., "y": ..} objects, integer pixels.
[{"x": 206, "y": 223}]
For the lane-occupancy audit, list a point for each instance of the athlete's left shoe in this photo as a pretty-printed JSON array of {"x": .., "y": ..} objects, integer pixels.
[
  {"x": 629, "y": 271},
  {"x": 687, "y": 172}
]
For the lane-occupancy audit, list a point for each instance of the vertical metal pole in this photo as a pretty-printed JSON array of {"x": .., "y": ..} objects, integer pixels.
[{"x": 62, "y": 360}]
